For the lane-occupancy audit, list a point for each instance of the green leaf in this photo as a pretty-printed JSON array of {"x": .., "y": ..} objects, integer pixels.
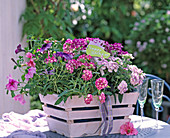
[
  {"x": 23, "y": 77},
  {"x": 96, "y": 73},
  {"x": 65, "y": 98},
  {"x": 114, "y": 97},
  {"x": 59, "y": 101},
  {"x": 120, "y": 97},
  {"x": 15, "y": 66},
  {"x": 12, "y": 94},
  {"x": 7, "y": 91},
  {"x": 63, "y": 93},
  {"x": 108, "y": 93}
]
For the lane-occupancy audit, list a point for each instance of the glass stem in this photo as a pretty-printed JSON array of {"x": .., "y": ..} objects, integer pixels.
[
  {"x": 156, "y": 109},
  {"x": 141, "y": 112}
]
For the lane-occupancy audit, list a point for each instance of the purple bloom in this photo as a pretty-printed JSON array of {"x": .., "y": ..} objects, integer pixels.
[
  {"x": 19, "y": 49},
  {"x": 45, "y": 47},
  {"x": 63, "y": 55},
  {"x": 50, "y": 72},
  {"x": 31, "y": 72},
  {"x": 136, "y": 23},
  {"x": 152, "y": 40}
]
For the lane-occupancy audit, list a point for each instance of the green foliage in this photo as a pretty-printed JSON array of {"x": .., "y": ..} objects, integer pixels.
[
  {"x": 48, "y": 18},
  {"x": 111, "y": 21},
  {"x": 150, "y": 40}
]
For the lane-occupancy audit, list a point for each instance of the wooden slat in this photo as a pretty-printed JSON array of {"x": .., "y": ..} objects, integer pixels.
[
  {"x": 128, "y": 98},
  {"x": 78, "y": 129},
  {"x": 56, "y": 113},
  {"x": 86, "y": 114},
  {"x": 58, "y": 126}
]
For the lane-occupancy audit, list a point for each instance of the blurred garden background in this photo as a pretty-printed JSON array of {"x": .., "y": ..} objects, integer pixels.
[{"x": 142, "y": 26}]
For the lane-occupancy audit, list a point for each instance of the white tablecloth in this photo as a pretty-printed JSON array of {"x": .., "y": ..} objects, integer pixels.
[
  {"x": 148, "y": 128},
  {"x": 149, "y": 125}
]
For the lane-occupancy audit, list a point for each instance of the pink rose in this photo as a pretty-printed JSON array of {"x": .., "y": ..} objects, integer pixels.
[{"x": 128, "y": 129}]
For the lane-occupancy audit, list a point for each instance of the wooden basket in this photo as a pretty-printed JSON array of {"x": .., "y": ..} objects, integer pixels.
[{"x": 75, "y": 118}]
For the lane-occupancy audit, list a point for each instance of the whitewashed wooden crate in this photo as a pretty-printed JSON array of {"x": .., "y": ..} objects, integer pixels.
[{"x": 73, "y": 118}]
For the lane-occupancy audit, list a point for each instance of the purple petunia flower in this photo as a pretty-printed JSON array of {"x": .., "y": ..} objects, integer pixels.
[
  {"x": 63, "y": 55},
  {"x": 19, "y": 49},
  {"x": 12, "y": 85},
  {"x": 45, "y": 47}
]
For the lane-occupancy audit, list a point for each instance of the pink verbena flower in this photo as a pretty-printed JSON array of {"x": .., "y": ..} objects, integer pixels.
[
  {"x": 92, "y": 65},
  {"x": 30, "y": 74},
  {"x": 87, "y": 75},
  {"x": 112, "y": 66},
  {"x": 12, "y": 84},
  {"x": 50, "y": 59},
  {"x": 134, "y": 80},
  {"x": 20, "y": 98},
  {"x": 101, "y": 83},
  {"x": 122, "y": 87},
  {"x": 70, "y": 68},
  {"x": 102, "y": 97},
  {"x": 88, "y": 99},
  {"x": 29, "y": 55},
  {"x": 31, "y": 63},
  {"x": 128, "y": 129}
]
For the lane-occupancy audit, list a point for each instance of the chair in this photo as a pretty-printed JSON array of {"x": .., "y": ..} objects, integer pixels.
[{"x": 150, "y": 76}]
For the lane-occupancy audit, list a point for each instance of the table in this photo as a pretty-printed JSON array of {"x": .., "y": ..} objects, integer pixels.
[{"x": 148, "y": 131}]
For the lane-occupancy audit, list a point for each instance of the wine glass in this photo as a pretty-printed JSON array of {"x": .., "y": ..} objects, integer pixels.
[
  {"x": 142, "y": 89},
  {"x": 157, "y": 93}
]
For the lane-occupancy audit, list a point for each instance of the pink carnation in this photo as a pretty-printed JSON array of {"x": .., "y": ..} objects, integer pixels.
[
  {"x": 128, "y": 129},
  {"x": 87, "y": 75},
  {"x": 88, "y": 99},
  {"x": 20, "y": 98},
  {"x": 29, "y": 55},
  {"x": 101, "y": 83},
  {"x": 102, "y": 97},
  {"x": 122, "y": 87},
  {"x": 31, "y": 63}
]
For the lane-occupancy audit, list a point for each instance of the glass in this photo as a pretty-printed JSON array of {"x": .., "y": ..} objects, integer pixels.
[
  {"x": 157, "y": 93},
  {"x": 142, "y": 89}
]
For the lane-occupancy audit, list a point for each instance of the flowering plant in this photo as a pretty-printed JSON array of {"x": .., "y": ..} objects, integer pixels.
[{"x": 65, "y": 68}]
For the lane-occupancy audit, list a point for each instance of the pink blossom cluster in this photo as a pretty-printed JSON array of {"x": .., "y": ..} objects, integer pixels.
[
  {"x": 122, "y": 87},
  {"x": 137, "y": 75},
  {"x": 72, "y": 45},
  {"x": 87, "y": 75},
  {"x": 128, "y": 129},
  {"x": 31, "y": 63},
  {"x": 114, "y": 47},
  {"x": 50, "y": 59},
  {"x": 83, "y": 60},
  {"x": 69, "y": 68},
  {"x": 88, "y": 99},
  {"x": 102, "y": 97},
  {"x": 101, "y": 83},
  {"x": 110, "y": 65}
]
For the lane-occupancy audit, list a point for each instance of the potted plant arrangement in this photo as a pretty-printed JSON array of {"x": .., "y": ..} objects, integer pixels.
[{"x": 86, "y": 85}]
